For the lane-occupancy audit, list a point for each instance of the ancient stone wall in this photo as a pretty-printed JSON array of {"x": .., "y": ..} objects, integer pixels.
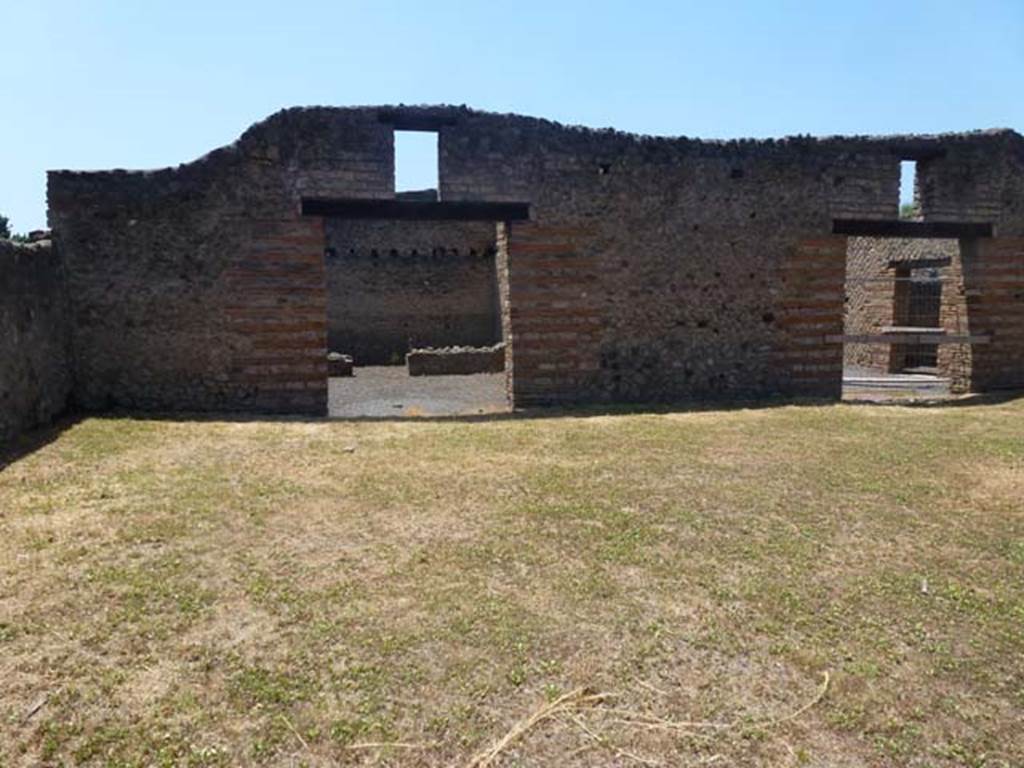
[
  {"x": 650, "y": 268},
  {"x": 657, "y": 269},
  {"x": 395, "y": 285},
  {"x": 35, "y": 343},
  {"x": 994, "y": 279},
  {"x": 202, "y": 287}
]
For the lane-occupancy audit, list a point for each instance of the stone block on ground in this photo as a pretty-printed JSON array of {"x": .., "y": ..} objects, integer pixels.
[
  {"x": 456, "y": 361},
  {"x": 339, "y": 364}
]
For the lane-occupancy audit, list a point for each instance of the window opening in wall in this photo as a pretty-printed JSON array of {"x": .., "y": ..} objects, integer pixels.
[
  {"x": 416, "y": 165},
  {"x": 908, "y": 183}
]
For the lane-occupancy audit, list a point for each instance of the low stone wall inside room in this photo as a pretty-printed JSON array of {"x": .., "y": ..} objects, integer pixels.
[
  {"x": 456, "y": 361},
  {"x": 35, "y": 348},
  {"x": 396, "y": 285},
  {"x": 875, "y": 268}
]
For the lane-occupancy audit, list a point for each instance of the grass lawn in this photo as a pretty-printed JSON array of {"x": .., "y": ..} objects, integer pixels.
[{"x": 802, "y": 585}]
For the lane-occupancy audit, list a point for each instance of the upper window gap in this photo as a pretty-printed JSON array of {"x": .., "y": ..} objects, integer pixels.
[{"x": 416, "y": 165}]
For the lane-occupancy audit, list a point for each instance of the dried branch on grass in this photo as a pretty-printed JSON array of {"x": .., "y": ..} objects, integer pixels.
[
  {"x": 603, "y": 741},
  {"x": 576, "y": 699},
  {"x": 642, "y": 720},
  {"x": 298, "y": 735},
  {"x": 826, "y": 679},
  {"x": 390, "y": 745}
]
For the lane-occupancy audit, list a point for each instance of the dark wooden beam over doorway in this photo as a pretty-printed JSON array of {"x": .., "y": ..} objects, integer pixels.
[
  {"x": 414, "y": 210},
  {"x": 902, "y": 228}
]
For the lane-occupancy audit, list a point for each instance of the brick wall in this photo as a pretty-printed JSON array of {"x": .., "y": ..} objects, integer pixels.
[
  {"x": 707, "y": 267},
  {"x": 552, "y": 315},
  {"x": 395, "y": 285},
  {"x": 35, "y": 344},
  {"x": 994, "y": 279},
  {"x": 650, "y": 269},
  {"x": 201, "y": 287},
  {"x": 276, "y": 317},
  {"x": 810, "y": 306}
]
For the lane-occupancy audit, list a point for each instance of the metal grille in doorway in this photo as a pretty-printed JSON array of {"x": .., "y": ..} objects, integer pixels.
[{"x": 918, "y": 304}]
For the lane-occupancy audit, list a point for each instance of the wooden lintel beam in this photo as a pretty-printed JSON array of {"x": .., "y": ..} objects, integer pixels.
[
  {"x": 414, "y": 210},
  {"x": 919, "y": 229}
]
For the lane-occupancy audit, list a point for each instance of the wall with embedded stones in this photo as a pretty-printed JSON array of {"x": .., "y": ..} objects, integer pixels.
[
  {"x": 396, "y": 285},
  {"x": 650, "y": 268},
  {"x": 202, "y": 287},
  {"x": 656, "y": 269},
  {"x": 35, "y": 342}
]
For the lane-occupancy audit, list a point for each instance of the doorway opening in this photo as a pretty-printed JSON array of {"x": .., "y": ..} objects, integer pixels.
[
  {"x": 422, "y": 283},
  {"x": 905, "y": 321},
  {"x": 415, "y": 306}
]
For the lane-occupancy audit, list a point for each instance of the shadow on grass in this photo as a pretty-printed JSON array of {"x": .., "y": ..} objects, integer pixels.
[
  {"x": 694, "y": 406},
  {"x": 32, "y": 441},
  {"x": 947, "y": 401},
  {"x": 38, "y": 438},
  {"x": 554, "y": 411},
  {"x": 29, "y": 442}
]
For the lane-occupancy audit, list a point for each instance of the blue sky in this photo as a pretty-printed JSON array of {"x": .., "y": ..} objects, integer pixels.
[{"x": 148, "y": 84}]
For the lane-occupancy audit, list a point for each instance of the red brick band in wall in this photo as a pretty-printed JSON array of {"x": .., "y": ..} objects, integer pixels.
[{"x": 279, "y": 317}]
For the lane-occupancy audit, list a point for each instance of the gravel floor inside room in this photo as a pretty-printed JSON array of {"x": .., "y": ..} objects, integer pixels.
[{"x": 389, "y": 391}]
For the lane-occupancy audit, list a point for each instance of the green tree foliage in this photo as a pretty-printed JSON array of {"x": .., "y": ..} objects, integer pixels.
[{"x": 5, "y": 227}]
